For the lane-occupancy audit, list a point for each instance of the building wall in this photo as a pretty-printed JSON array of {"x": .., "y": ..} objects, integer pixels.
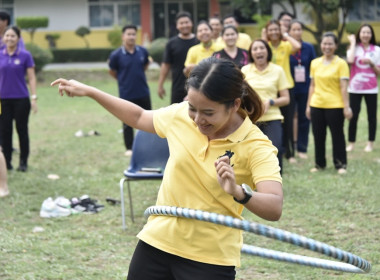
[{"x": 63, "y": 14}]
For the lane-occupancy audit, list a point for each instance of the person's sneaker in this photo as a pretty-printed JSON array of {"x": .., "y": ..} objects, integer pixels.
[
  {"x": 128, "y": 153},
  {"x": 63, "y": 202},
  {"x": 50, "y": 209},
  {"x": 342, "y": 171},
  {"x": 368, "y": 148},
  {"x": 4, "y": 192},
  {"x": 350, "y": 147},
  {"x": 86, "y": 204}
]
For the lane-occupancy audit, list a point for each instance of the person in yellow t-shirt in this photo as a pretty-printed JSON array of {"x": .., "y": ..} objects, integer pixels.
[
  {"x": 216, "y": 151},
  {"x": 203, "y": 50},
  {"x": 328, "y": 103},
  {"x": 270, "y": 83},
  {"x": 244, "y": 40},
  {"x": 283, "y": 46},
  {"x": 217, "y": 26}
]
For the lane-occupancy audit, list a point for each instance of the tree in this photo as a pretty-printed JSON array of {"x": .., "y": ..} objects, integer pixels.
[
  {"x": 325, "y": 14},
  {"x": 82, "y": 31},
  {"x": 52, "y": 39},
  {"x": 31, "y": 24}
]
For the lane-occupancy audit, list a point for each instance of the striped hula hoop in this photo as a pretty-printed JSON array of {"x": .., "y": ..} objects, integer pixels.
[{"x": 348, "y": 261}]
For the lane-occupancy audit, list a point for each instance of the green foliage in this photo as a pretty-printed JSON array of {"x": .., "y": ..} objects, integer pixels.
[
  {"x": 82, "y": 31},
  {"x": 41, "y": 57},
  {"x": 114, "y": 36},
  {"x": 261, "y": 20},
  {"x": 352, "y": 27},
  {"x": 31, "y": 24},
  {"x": 52, "y": 39},
  {"x": 81, "y": 55},
  {"x": 157, "y": 48}
]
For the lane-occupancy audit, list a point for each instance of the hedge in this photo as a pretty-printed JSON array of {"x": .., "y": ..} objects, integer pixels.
[{"x": 81, "y": 55}]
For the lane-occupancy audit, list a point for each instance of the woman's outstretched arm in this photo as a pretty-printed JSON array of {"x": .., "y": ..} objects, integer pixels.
[{"x": 126, "y": 111}]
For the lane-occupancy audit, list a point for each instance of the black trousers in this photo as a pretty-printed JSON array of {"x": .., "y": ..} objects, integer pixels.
[
  {"x": 355, "y": 103},
  {"x": 17, "y": 109},
  {"x": 273, "y": 130},
  {"x": 127, "y": 130},
  {"x": 149, "y": 263},
  {"x": 334, "y": 119},
  {"x": 287, "y": 126},
  {"x": 300, "y": 99}
]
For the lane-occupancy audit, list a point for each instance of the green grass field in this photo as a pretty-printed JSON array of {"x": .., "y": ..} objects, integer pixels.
[{"x": 343, "y": 211}]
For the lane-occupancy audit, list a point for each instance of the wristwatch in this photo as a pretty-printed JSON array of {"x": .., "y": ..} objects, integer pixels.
[
  {"x": 247, "y": 192},
  {"x": 271, "y": 102}
]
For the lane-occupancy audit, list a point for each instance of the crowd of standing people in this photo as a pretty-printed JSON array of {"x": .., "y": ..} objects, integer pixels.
[
  {"x": 235, "y": 100},
  {"x": 296, "y": 88},
  {"x": 303, "y": 90}
]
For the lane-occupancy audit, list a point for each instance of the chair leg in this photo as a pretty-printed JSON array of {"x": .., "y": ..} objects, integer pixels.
[
  {"x": 122, "y": 201},
  {"x": 130, "y": 202}
]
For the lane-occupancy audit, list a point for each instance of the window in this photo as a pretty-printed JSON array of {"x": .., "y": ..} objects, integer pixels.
[
  {"x": 368, "y": 10},
  {"x": 7, "y": 5},
  {"x": 106, "y": 13}
]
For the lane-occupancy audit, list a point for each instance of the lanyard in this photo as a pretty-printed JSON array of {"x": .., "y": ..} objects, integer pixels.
[{"x": 297, "y": 56}]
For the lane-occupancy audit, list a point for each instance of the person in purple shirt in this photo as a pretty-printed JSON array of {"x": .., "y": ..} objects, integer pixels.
[
  {"x": 5, "y": 21},
  {"x": 15, "y": 63}
]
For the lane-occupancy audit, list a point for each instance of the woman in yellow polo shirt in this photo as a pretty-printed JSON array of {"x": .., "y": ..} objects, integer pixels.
[
  {"x": 214, "y": 147},
  {"x": 283, "y": 46},
  {"x": 203, "y": 50},
  {"x": 328, "y": 103},
  {"x": 269, "y": 81}
]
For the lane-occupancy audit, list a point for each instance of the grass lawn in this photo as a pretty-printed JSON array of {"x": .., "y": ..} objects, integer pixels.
[{"x": 343, "y": 211}]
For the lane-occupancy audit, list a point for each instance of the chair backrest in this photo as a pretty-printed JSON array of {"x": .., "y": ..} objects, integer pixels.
[{"x": 149, "y": 151}]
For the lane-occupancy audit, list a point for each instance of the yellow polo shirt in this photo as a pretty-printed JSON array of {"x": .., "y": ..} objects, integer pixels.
[
  {"x": 196, "y": 53},
  {"x": 267, "y": 83},
  {"x": 327, "y": 93},
  {"x": 190, "y": 180},
  {"x": 281, "y": 56}
]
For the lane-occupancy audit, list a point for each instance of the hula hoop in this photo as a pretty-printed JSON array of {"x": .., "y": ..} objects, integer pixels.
[{"x": 348, "y": 261}]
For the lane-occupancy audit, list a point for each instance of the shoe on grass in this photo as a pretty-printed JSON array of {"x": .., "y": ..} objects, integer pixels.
[
  {"x": 50, "y": 209},
  {"x": 350, "y": 147},
  {"x": 4, "y": 193}
]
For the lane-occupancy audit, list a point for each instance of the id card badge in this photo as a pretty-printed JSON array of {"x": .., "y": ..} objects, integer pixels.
[{"x": 299, "y": 74}]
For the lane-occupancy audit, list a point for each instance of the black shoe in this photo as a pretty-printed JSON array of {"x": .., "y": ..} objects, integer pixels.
[
  {"x": 22, "y": 168},
  {"x": 9, "y": 166}
]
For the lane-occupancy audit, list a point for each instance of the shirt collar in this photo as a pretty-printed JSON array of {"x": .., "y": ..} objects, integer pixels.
[
  {"x": 124, "y": 51},
  {"x": 241, "y": 133}
]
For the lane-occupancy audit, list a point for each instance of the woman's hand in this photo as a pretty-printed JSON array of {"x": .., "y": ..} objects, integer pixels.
[
  {"x": 307, "y": 113},
  {"x": 352, "y": 39},
  {"x": 264, "y": 35},
  {"x": 71, "y": 88},
  {"x": 226, "y": 175},
  {"x": 266, "y": 105},
  {"x": 34, "y": 106},
  {"x": 347, "y": 113}
]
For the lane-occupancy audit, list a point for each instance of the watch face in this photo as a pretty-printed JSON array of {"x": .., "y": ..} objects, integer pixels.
[{"x": 247, "y": 189}]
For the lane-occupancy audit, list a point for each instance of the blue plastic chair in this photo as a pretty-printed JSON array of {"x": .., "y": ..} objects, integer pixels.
[{"x": 150, "y": 154}]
